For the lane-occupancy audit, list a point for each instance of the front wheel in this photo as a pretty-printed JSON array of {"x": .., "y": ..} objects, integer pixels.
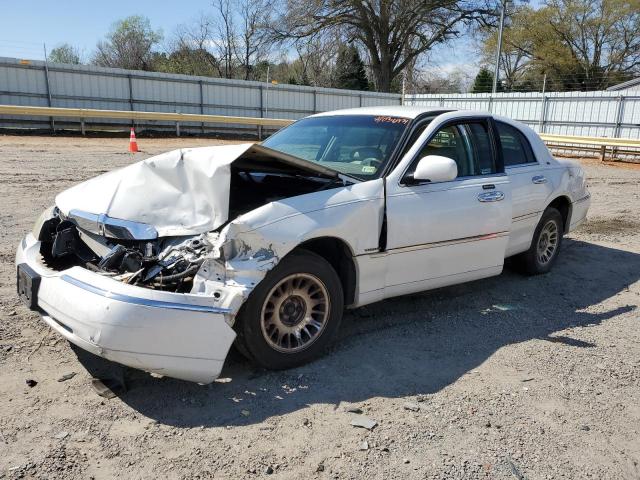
[
  {"x": 545, "y": 245},
  {"x": 293, "y": 314}
]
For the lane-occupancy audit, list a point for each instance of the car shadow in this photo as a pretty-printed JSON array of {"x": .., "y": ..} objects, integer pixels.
[{"x": 410, "y": 345}]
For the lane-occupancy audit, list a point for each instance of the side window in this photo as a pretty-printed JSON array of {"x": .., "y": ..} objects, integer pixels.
[
  {"x": 468, "y": 144},
  {"x": 515, "y": 147}
]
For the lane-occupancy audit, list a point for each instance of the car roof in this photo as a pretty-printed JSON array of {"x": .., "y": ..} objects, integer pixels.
[
  {"x": 407, "y": 111},
  {"x": 412, "y": 111}
]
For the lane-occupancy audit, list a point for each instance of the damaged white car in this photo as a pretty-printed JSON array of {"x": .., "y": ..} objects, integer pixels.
[{"x": 162, "y": 264}]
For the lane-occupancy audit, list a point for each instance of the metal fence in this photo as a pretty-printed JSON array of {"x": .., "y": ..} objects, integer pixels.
[
  {"x": 34, "y": 83},
  {"x": 596, "y": 114}
]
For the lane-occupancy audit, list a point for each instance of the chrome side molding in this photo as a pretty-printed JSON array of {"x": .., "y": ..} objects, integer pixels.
[{"x": 112, "y": 227}]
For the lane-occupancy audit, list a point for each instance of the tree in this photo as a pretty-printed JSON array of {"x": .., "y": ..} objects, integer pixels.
[
  {"x": 602, "y": 37},
  {"x": 253, "y": 44},
  {"x": 193, "y": 49},
  {"x": 65, "y": 53},
  {"x": 312, "y": 67},
  {"x": 231, "y": 40},
  {"x": 456, "y": 80},
  {"x": 225, "y": 37},
  {"x": 392, "y": 32},
  {"x": 349, "y": 71},
  {"x": 514, "y": 61},
  {"x": 483, "y": 82},
  {"x": 578, "y": 44},
  {"x": 186, "y": 60},
  {"x": 130, "y": 44}
]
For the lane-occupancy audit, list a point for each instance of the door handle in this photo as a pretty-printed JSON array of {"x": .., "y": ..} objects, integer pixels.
[
  {"x": 495, "y": 196},
  {"x": 539, "y": 179}
]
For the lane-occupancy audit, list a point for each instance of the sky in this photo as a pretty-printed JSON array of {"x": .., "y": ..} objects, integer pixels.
[{"x": 26, "y": 25}]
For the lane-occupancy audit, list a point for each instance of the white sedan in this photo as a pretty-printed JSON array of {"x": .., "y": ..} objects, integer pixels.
[{"x": 163, "y": 264}]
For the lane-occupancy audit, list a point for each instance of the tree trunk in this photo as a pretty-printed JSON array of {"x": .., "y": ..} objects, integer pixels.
[{"x": 383, "y": 71}]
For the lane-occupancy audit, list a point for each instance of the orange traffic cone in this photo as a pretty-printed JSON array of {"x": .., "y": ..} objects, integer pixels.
[{"x": 133, "y": 144}]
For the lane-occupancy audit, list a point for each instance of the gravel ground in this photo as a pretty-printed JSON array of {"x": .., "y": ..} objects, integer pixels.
[{"x": 509, "y": 377}]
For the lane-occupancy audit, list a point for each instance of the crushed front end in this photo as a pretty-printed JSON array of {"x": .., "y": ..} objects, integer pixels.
[
  {"x": 128, "y": 300},
  {"x": 148, "y": 265}
]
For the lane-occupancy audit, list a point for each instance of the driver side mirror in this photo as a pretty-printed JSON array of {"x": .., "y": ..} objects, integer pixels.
[{"x": 434, "y": 168}]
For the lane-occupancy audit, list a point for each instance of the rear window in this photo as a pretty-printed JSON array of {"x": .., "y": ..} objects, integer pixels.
[{"x": 516, "y": 149}]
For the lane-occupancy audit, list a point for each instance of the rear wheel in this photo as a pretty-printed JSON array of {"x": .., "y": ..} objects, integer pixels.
[
  {"x": 545, "y": 246},
  {"x": 293, "y": 314}
]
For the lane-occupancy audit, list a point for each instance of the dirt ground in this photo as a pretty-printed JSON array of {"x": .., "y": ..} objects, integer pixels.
[{"x": 510, "y": 377}]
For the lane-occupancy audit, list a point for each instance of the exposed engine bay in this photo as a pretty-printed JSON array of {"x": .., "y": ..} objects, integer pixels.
[{"x": 170, "y": 262}]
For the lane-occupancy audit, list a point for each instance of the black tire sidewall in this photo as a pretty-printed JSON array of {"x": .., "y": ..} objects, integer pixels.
[
  {"x": 249, "y": 317},
  {"x": 532, "y": 264}
]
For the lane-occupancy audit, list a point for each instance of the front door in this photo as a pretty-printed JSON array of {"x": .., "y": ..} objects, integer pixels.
[{"x": 449, "y": 232}]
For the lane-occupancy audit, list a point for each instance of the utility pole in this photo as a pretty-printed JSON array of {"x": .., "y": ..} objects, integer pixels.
[
  {"x": 497, "y": 69},
  {"x": 543, "y": 105}
]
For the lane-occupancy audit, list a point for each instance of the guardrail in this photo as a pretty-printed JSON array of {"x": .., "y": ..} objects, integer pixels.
[
  {"x": 617, "y": 145},
  {"x": 84, "y": 113},
  {"x": 562, "y": 141}
]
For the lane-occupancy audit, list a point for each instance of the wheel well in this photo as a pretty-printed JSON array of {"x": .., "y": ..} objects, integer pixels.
[
  {"x": 563, "y": 205},
  {"x": 338, "y": 254}
]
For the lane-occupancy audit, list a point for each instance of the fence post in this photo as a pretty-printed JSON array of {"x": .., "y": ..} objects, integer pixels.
[
  {"x": 442, "y": 101},
  {"x": 360, "y": 99},
  {"x": 201, "y": 105},
  {"x": 603, "y": 151},
  {"x": 490, "y": 102},
  {"x": 543, "y": 113},
  {"x": 315, "y": 101},
  {"x": 619, "y": 116},
  {"x": 46, "y": 78},
  {"x": 131, "y": 97},
  {"x": 261, "y": 111}
]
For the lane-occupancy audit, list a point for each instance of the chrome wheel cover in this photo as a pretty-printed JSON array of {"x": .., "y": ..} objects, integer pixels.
[
  {"x": 295, "y": 313},
  {"x": 547, "y": 242}
]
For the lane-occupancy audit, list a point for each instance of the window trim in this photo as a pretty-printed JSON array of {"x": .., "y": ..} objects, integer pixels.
[
  {"x": 403, "y": 147},
  {"x": 527, "y": 145},
  {"x": 488, "y": 121}
]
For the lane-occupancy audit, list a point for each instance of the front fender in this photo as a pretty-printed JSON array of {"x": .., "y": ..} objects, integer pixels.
[{"x": 255, "y": 242}]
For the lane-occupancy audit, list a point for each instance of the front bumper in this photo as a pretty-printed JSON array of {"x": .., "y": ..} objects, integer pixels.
[{"x": 174, "y": 334}]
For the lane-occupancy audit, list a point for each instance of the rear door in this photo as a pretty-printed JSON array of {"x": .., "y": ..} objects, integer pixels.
[
  {"x": 449, "y": 232},
  {"x": 530, "y": 187}
]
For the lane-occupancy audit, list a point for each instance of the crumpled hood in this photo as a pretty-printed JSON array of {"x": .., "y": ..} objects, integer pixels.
[{"x": 183, "y": 192}]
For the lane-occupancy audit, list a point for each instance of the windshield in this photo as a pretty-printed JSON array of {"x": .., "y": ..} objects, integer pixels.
[{"x": 357, "y": 145}]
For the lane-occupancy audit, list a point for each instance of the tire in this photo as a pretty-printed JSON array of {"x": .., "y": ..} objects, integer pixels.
[
  {"x": 545, "y": 245},
  {"x": 301, "y": 294}
]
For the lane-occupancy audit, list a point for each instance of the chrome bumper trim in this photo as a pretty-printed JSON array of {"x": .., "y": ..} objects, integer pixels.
[
  {"x": 146, "y": 302},
  {"x": 112, "y": 227}
]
